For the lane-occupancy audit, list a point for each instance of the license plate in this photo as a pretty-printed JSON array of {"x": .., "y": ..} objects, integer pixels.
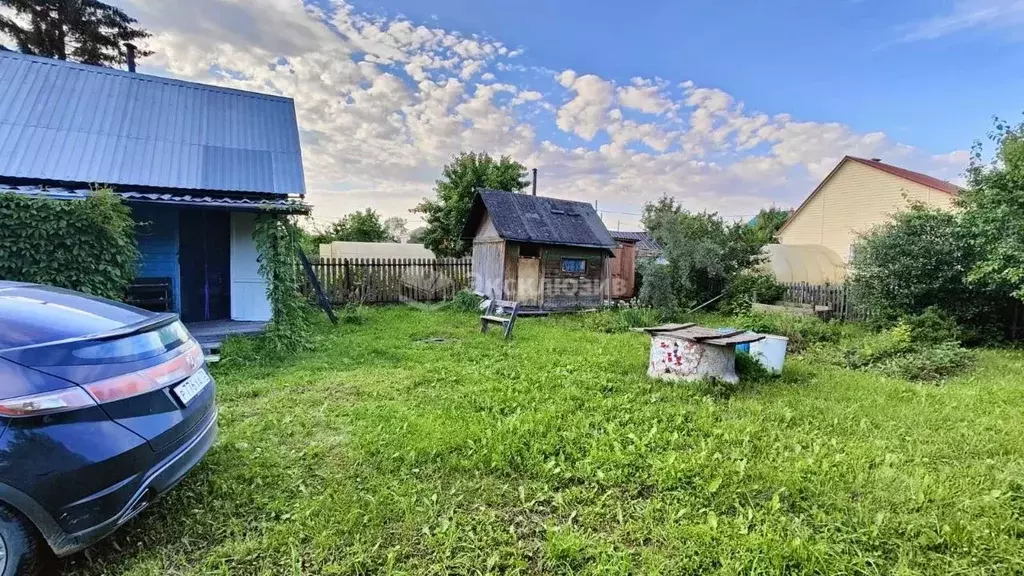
[{"x": 191, "y": 388}]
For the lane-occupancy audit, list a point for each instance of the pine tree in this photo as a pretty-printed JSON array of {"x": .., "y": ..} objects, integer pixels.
[{"x": 86, "y": 31}]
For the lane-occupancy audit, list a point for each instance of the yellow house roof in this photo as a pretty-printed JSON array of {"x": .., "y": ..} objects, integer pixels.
[{"x": 917, "y": 177}]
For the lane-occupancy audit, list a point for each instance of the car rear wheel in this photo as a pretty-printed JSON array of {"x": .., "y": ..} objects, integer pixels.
[{"x": 20, "y": 553}]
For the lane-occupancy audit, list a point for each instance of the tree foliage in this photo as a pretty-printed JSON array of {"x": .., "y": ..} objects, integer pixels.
[
  {"x": 993, "y": 209},
  {"x": 365, "y": 226},
  {"x": 704, "y": 252},
  {"x": 446, "y": 214},
  {"x": 764, "y": 228},
  {"x": 86, "y": 245},
  {"x": 87, "y": 31},
  {"x": 920, "y": 261},
  {"x": 397, "y": 227},
  {"x": 417, "y": 235}
]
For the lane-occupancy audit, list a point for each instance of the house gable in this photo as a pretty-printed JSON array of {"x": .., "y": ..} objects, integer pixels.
[{"x": 850, "y": 201}]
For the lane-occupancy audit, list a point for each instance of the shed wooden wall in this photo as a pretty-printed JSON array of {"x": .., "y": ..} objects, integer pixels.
[
  {"x": 621, "y": 274},
  {"x": 489, "y": 267},
  {"x": 488, "y": 260},
  {"x": 563, "y": 290}
]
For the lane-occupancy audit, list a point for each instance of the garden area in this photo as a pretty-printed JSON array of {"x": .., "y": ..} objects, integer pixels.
[{"x": 406, "y": 442}]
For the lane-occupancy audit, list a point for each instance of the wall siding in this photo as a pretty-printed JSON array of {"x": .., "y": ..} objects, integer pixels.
[
  {"x": 157, "y": 236},
  {"x": 511, "y": 270},
  {"x": 489, "y": 267},
  {"x": 855, "y": 199},
  {"x": 569, "y": 290}
]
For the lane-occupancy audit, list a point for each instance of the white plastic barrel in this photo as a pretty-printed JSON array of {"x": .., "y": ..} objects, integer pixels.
[{"x": 770, "y": 352}]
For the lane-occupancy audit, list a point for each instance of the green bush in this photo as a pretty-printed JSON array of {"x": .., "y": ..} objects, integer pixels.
[
  {"x": 920, "y": 260},
  {"x": 907, "y": 352},
  {"x": 929, "y": 363},
  {"x": 752, "y": 286},
  {"x": 85, "y": 245},
  {"x": 933, "y": 326},
  {"x": 750, "y": 370},
  {"x": 802, "y": 331},
  {"x": 463, "y": 301},
  {"x": 656, "y": 290},
  {"x": 881, "y": 347}
]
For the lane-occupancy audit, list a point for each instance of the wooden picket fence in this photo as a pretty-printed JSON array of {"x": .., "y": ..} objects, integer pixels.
[
  {"x": 838, "y": 297},
  {"x": 384, "y": 280}
]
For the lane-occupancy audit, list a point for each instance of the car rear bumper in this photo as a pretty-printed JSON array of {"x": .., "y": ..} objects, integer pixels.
[{"x": 159, "y": 479}]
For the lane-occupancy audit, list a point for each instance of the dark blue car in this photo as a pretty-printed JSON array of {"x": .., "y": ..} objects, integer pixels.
[{"x": 103, "y": 408}]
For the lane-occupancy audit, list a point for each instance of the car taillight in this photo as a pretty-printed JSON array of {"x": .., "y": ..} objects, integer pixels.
[
  {"x": 149, "y": 379},
  {"x": 46, "y": 403}
]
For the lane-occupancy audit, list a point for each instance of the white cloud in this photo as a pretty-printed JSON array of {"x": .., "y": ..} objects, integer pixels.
[
  {"x": 967, "y": 15},
  {"x": 587, "y": 112},
  {"x": 383, "y": 103}
]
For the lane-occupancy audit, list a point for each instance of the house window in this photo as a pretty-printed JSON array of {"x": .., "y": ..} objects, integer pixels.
[{"x": 574, "y": 265}]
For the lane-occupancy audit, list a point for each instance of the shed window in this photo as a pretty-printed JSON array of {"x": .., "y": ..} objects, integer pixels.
[{"x": 574, "y": 265}]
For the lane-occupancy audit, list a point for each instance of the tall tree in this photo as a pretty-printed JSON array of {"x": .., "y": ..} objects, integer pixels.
[
  {"x": 358, "y": 226},
  {"x": 994, "y": 211},
  {"x": 416, "y": 235},
  {"x": 86, "y": 31},
  {"x": 447, "y": 213},
  {"x": 704, "y": 252},
  {"x": 397, "y": 227},
  {"x": 766, "y": 225}
]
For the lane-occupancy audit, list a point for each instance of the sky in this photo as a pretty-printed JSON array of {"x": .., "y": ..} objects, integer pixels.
[{"x": 727, "y": 106}]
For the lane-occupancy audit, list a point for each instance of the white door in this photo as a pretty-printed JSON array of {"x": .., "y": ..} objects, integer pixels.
[{"x": 248, "y": 288}]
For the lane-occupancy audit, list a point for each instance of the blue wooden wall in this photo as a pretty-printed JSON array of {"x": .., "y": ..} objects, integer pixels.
[{"x": 158, "y": 245}]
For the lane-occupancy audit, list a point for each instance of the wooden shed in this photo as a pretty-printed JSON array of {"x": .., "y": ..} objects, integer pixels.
[
  {"x": 621, "y": 272},
  {"x": 545, "y": 253}
]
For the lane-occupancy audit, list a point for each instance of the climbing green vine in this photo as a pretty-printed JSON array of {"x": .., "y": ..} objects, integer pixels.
[
  {"x": 87, "y": 245},
  {"x": 277, "y": 241}
]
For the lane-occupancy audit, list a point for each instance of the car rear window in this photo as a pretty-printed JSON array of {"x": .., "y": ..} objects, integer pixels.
[
  {"x": 32, "y": 315},
  {"x": 134, "y": 347}
]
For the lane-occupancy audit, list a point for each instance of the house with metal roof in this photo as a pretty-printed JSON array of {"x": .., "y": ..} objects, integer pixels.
[
  {"x": 195, "y": 162},
  {"x": 545, "y": 253}
]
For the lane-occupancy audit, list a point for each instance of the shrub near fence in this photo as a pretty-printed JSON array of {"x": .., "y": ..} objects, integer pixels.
[
  {"x": 838, "y": 297},
  {"x": 383, "y": 280}
]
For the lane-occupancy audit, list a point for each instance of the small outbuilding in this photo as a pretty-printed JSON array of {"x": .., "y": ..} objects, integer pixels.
[{"x": 545, "y": 253}]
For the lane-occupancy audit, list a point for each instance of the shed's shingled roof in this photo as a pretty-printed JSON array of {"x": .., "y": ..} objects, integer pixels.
[
  {"x": 539, "y": 220},
  {"x": 64, "y": 122}
]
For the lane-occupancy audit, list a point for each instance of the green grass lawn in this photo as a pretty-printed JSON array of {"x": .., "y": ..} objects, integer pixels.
[{"x": 554, "y": 453}]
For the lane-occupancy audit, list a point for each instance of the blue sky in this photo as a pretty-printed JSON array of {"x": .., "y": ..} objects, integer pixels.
[
  {"x": 842, "y": 60},
  {"x": 727, "y": 106}
]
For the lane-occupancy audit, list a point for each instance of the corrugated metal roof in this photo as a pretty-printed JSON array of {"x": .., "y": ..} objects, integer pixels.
[
  {"x": 276, "y": 203},
  {"x": 540, "y": 220},
  {"x": 68, "y": 122},
  {"x": 644, "y": 241}
]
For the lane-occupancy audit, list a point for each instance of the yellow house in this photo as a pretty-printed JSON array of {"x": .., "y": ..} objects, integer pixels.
[{"x": 857, "y": 195}]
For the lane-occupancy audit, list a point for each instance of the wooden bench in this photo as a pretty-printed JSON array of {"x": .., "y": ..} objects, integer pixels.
[
  {"x": 153, "y": 294},
  {"x": 501, "y": 312}
]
